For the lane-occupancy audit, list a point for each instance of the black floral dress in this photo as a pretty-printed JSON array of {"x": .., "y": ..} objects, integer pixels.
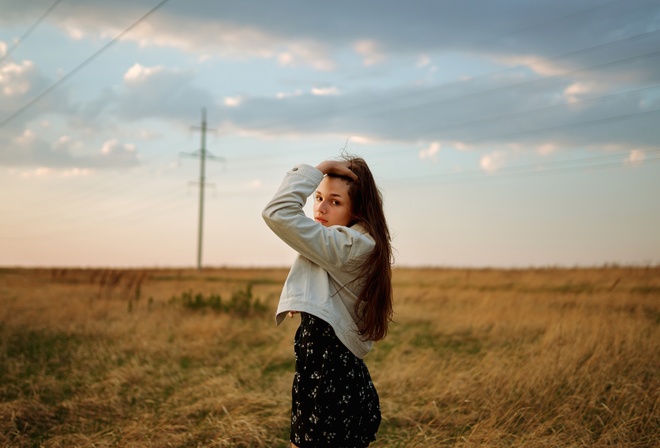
[{"x": 334, "y": 401}]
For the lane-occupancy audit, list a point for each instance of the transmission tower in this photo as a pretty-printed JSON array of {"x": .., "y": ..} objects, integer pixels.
[{"x": 203, "y": 155}]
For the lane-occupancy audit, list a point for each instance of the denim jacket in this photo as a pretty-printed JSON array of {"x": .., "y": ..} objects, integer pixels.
[{"x": 321, "y": 279}]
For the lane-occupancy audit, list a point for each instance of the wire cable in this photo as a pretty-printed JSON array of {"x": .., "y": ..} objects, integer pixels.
[
  {"x": 29, "y": 31},
  {"x": 555, "y": 167},
  {"x": 425, "y": 92},
  {"x": 80, "y": 66}
]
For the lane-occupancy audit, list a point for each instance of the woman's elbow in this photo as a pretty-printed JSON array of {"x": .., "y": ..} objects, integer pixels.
[{"x": 267, "y": 214}]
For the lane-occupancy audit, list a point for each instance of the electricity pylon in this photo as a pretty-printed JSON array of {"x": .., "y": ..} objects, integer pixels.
[{"x": 203, "y": 155}]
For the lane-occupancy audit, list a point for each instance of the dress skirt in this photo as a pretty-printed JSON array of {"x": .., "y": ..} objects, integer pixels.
[{"x": 334, "y": 401}]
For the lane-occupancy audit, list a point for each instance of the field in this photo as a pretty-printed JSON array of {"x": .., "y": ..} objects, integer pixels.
[{"x": 186, "y": 358}]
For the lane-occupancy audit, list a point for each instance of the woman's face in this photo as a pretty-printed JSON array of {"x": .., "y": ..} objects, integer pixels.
[{"x": 332, "y": 205}]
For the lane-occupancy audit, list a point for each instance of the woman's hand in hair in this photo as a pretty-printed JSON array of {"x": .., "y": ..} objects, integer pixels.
[{"x": 337, "y": 167}]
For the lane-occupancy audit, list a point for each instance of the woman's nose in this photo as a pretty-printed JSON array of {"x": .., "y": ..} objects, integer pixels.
[{"x": 321, "y": 207}]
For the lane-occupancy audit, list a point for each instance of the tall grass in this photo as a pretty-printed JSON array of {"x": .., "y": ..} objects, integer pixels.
[{"x": 501, "y": 358}]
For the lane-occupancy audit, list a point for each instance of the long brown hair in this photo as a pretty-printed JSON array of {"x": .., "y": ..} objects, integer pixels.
[{"x": 374, "y": 304}]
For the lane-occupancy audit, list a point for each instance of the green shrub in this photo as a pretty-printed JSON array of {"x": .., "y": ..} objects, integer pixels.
[{"x": 242, "y": 302}]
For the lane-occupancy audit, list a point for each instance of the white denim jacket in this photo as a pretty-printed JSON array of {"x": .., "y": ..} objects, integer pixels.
[{"x": 321, "y": 280}]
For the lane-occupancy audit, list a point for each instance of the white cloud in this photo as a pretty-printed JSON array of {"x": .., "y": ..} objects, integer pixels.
[
  {"x": 493, "y": 161},
  {"x": 362, "y": 140},
  {"x": 431, "y": 152},
  {"x": 146, "y": 134},
  {"x": 423, "y": 61},
  {"x": 74, "y": 33},
  {"x": 13, "y": 78},
  {"x": 157, "y": 92},
  {"x": 635, "y": 157},
  {"x": 36, "y": 172},
  {"x": 139, "y": 73},
  {"x": 44, "y": 171},
  {"x": 573, "y": 92},
  {"x": 233, "y": 101},
  {"x": 119, "y": 152},
  {"x": 75, "y": 172},
  {"x": 285, "y": 59},
  {"x": 325, "y": 91},
  {"x": 370, "y": 52},
  {"x": 308, "y": 53},
  {"x": 219, "y": 38},
  {"x": 26, "y": 138},
  {"x": 3, "y": 49},
  {"x": 546, "y": 149},
  {"x": 109, "y": 146},
  {"x": 112, "y": 147},
  {"x": 282, "y": 95},
  {"x": 538, "y": 65}
]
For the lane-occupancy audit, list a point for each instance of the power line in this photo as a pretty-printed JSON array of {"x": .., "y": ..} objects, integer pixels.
[
  {"x": 532, "y": 111},
  {"x": 500, "y": 117},
  {"x": 652, "y": 54},
  {"x": 569, "y": 125},
  {"x": 556, "y": 167},
  {"x": 532, "y": 82},
  {"x": 140, "y": 210},
  {"x": 29, "y": 30},
  {"x": 250, "y": 159},
  {"x": 80, "y": 66},
  {"x": 68, "y": 198},
  {"x": 424, "y": 93}
]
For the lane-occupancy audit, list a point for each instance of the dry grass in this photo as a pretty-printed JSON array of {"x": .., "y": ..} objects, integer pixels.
[{"x": 534, "y": 358}]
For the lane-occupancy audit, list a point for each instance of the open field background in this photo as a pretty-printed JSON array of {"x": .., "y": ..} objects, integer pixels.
[{"x": 181, "y": 358}]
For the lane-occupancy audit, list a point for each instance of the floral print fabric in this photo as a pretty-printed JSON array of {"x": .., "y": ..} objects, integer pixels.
[{"x": 334, "y": 401}]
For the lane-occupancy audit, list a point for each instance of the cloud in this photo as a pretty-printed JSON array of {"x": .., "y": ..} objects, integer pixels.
[
  {"x": 20, "y": 82},
  {"x": 157, "y": 91},
  {"x": 49, "y": 172},
  {"x": 482, "y": 113},
  {"x": 423, "y": 61},
  {"x": 635, "y": 157},
  {"x": 370, "y": 51},
  {"x": 552, "y": 101},
  {"x": 325, "y": 91},
  {"x": 32, "y": 150},
  {"x": 431, "y": 152},
  {"x": 14, "y": 80},
  {"x": 575, "y": 91},
  {"x": 111, "y": 147},
  {"x": 311, "y": 35},
  {"x": 282, "y": 95},
  {"x": 140, "y": 74},
  {"x": 546, "y": 149},
  {"x": 233, "y": 101},
  {"x": 492, "y": 161},
  {"x": 298, "y": 34}
]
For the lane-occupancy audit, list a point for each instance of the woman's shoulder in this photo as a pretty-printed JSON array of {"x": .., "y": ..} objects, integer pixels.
[{"x": 360, "y": 236}]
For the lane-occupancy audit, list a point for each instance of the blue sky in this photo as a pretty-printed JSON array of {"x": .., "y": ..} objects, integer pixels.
[{"x": 502, "y": 133}]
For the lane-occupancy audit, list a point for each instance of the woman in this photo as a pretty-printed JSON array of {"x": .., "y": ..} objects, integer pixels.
[{"x": 341, "y": 285}]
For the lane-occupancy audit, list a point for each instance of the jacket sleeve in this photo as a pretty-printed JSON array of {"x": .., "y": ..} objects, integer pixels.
[{"x": 334, "y": 247}]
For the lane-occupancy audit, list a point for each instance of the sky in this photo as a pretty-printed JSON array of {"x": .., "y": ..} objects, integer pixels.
[{"x": 502, "y": 133}]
